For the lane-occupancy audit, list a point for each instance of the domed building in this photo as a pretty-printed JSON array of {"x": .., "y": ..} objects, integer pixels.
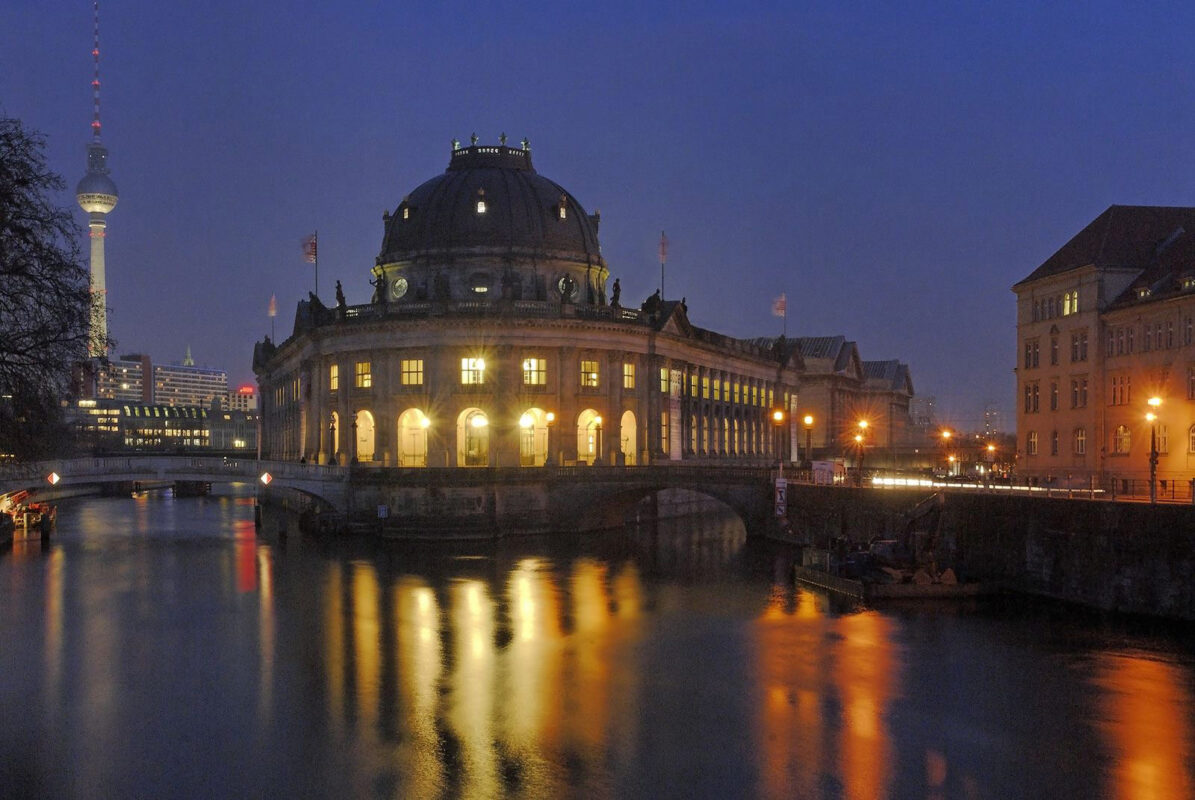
[{"x": 495, "y": 337}]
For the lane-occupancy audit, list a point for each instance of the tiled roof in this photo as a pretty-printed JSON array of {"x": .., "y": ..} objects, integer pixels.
[{"x": 1123, "y": 236}]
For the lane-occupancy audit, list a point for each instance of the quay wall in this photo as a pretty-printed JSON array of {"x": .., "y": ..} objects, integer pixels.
[{"x": 1126, "y": 557}]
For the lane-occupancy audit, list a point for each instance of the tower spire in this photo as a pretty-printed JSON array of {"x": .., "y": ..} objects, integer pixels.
[{"x": 95, "y": 81}]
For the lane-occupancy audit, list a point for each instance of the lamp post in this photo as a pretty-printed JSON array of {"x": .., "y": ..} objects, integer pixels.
[
  {"x": 808, "y": 440},
  {"x": 1152, "y": 417},
  {"x": 332, "y": 441},
  {"x": 597, "y": 435},
  {"x": 778, "y": 427},
  {"x": 551, "y": 419},
  {"x": 860, "y": 442},
  {"x": 946, "y": 434}
]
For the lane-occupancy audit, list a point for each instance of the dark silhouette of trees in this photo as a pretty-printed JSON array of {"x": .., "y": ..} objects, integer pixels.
[{"x": 45, "y": 298}]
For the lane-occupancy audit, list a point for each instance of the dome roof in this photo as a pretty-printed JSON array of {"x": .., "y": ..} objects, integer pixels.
[{"x": 490, "y": 200}]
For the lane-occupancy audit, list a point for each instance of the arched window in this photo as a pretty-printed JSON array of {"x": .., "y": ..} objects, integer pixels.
[
  {"x": 1121, "y": 439},
  {"x": 1191, "y": 439},
  {"x": 365, "y": 436},
  {"x": 1081, "y": 441},
  {"x": 473, "y": 438},
  {"x": 412, "y": 438}
]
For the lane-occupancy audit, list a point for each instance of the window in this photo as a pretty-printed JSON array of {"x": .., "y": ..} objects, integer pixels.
[
  {"x": 1054, "y": 350},
  {"x": 362, "y": 377},
  {"x": 1187, "y": 330},
  {"x": 1054, "y": 443},
  {"x": 1191, "y": 383},
  {"x": 1031, "y": 353},
  {"x": 334, "y": 377},
  {"x": 1169, "y": 334},
  {"x": 1031, "y": 397},
  {"x": 717, "y": 389},
  {"x": 1121, "y": 440},
  {"x": 1121, "y": 391},
  {"x": 472, "y": 371},
  {"x": 705, "y": 386},
  {"x": 1080, "y": 441},
  {"x": 1079, "y": 346},
  {"x": 628, "y": 376},
  {"x": 412, "y": 371},
  {"x": 535, "y": 372},
  {"x": 1191, "y": 439},
  {"x": 737, "y": 387},
  {"x": 1053, "y": 396},
  {"x": 1031, "y": 443},
  {"x": 664, "y": 431},
  {"x": 1163, "y": 438},
  {"x": 481, "y": 207},
  {"x": 589, "y": 374},
  {"x": 664, "y": 380}
]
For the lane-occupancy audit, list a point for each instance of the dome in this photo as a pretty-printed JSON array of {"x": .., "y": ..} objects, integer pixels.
[
  {"x": 96, "y": 192},
  {"x": 490, "y": 201}
]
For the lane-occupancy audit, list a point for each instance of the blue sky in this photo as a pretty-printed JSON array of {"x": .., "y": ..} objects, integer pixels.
[{"x": 893, "y": 170}]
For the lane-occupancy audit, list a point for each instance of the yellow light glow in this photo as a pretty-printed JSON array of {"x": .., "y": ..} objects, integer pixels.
[
  {"x": 551, "y": 417},
  {"x": 479, "y": 421},
  {"x": 1151, "y": 416},
  {"x": 778, "y": 416},
  {"x": 858, "y": 437},
  {"x": 424, "y": 422},
  {"x": 808, "y": 420},
  {"x": 1154, "y": 401},
  {"x": 526, "y": 421},
  {"x": 863, "y": 424},
  {"x": 597, "y": 420}
]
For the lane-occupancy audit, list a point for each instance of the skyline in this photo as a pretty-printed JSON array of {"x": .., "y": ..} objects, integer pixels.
[{"x": 911, "y": 166}]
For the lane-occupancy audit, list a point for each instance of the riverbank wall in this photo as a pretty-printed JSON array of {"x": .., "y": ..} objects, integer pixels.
[{"x": 1126, "y": 557}]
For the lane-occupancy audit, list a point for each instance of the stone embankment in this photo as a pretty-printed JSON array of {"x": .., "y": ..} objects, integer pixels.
[{"x": 1126, "y": 557}]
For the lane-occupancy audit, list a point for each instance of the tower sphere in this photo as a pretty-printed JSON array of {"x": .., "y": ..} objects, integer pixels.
[{"x": 96, "y": 193}]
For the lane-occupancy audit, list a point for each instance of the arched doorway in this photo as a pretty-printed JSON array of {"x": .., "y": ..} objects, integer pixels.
[
  {"x": 472, "y": 438},
  {"x": 628, "y": 438},
  {"x": 412, "y": 438},
  {"x": 533, "y": 438},
  {"x": 589, "y": 436},
  {"x": 365, "y": 436}
]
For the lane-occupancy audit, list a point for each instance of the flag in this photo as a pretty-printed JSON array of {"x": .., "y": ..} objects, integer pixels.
[
  {"x": 663, "y": 247},
  {"x": 273, "y": 306},
  {"x": 311, "y": 248},
  {"x": 779, "y": 306}
]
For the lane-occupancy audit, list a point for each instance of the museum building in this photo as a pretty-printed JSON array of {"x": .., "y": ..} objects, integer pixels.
[{"x": 495, "y": 337}]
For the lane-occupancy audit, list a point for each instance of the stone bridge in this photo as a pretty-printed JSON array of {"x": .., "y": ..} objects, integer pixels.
[{"x": 515, "y": 499}]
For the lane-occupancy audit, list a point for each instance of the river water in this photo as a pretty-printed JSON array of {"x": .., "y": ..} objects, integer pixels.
[{"x": 161, "y": 647}]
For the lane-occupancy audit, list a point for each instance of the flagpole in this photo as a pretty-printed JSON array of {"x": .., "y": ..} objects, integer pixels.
[
  {"x": 316, "y": 236},
  {"x": 663, "y": 258}
]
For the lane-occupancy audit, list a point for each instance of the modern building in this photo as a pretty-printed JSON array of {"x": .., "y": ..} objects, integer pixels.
[
  {"x": 109, "y": 426},
  {"x": 188, "y": 385},
  {"x": 1106, "y": 354},
  {"x": 125, "y": 379},
  {"x": 243, "y": 399},
  {"x": 496, "y": 338}
]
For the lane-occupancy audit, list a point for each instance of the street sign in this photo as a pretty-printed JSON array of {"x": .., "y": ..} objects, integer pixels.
[
  {"x": 266, "y": 478},
  {"x": 53, "y": 478},
  {"x": 781, "y": 497}
]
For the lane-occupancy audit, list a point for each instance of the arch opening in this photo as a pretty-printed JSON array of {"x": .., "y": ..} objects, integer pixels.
[
  {"x": 412, "y": 438},
  {"x": 472, "y": 438}
]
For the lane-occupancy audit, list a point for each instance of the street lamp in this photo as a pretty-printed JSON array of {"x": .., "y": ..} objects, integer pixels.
[
  {"x": 860, "y": 442},
  {"x": 551, "y": 418},
  {"x": 946, "y": 434},
  {"x": 1152, "y": 418},
  {"x": 809, "y": 439},
  {"x": 778, "y": 426},
  {"x": 597, "y": 429},
  {"x": 332, "y": 440}
]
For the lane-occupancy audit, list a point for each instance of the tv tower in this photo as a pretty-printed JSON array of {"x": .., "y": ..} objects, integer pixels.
[{"x": 96, "y": 194}]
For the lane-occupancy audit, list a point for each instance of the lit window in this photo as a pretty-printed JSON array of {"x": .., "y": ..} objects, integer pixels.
[
  {"x": 664, "y": 431},
  {"x": 705, "y": 386},
  {"x": 717, "y": 388},
  {"x": 535, "y": 372},
  {"x": 589, "y": 373},
  {"x": 1121, "y": 440},
  {"x": 664, "y": 380},
  {"x": 334, "y": 377},
  {"x": 1031, "y": 443},
  {"x": 562, "y": 207},
  {"x": 481, "y": 201},
  {"x": 412, "y": 371},
  {"x": 362, "y": 376},
  {"x": 1080, "y": 441},
  {"x": 472, "y": 371},
  {"x": 628, "y": 375}
]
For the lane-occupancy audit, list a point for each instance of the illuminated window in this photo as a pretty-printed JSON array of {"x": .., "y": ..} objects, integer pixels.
[
  {"x": 717, "y": 388},
  {"x": 406, "y": 212},
  {"x": 363, "y": 379},
  {"x": 481, "y": 201},
  {"x": 472, "y": 371},
  {"x": 736, "y": 391},
  {"x": 589, "y": 374},
  {"x": 628, "y": 375},
  {"x": 664, "y": 380},
  {"x": 1191, "y": 439},
  {"x": 562, "y": 207},
  {"x": 664, "y": 431},
  {"x": 1163, "y": 438},
  {"x": 705, "y": 386},
  {"x": 1031, "y": 443},
  {"x": 1080, "y": 441},
  {"x": 412, "y": 371},
  {"x": 535, "y": 372},
  {"x": 1121, "y": 440}
]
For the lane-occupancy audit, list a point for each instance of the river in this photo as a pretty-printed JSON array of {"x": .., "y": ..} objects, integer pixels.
[{"x": 161, "y": 647}]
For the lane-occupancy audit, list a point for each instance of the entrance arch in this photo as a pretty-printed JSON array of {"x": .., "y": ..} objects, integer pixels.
[
  {"x": 589, "y": 436},
  {"x": 365, "y": 436},
  {"x": 412, "y": 438},
  {"x": 628, "y": 436},
  {"x": 533, "y": 438},
  {"x": 472, "y": 438}
]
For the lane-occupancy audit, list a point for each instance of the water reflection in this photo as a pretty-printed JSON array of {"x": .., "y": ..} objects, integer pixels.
[{"x": 659, "y": 661}]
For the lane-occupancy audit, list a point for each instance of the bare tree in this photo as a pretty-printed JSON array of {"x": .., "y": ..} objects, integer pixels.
[{"x": 45, "y": 297}]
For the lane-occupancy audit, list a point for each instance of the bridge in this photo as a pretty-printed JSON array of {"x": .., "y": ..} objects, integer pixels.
[{"x": 500, "y": 499}]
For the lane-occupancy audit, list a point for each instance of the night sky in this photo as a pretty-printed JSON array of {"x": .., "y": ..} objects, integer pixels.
[{"x": 893, "y": 170}]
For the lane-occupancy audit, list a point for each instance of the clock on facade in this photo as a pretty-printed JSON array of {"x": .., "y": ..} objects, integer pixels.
[
  {"x": 398, "y": 288},
  {"x": 567, "y": 287}
]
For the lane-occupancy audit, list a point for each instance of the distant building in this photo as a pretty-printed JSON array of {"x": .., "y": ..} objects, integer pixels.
[
  {"x": 183, "y": 385},
  {"x": 125, "y": 379},
  {"x": 243, "y": 399},
  {"x": 109, "y": 426},
  {"x": 1105, "y": 324}
]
